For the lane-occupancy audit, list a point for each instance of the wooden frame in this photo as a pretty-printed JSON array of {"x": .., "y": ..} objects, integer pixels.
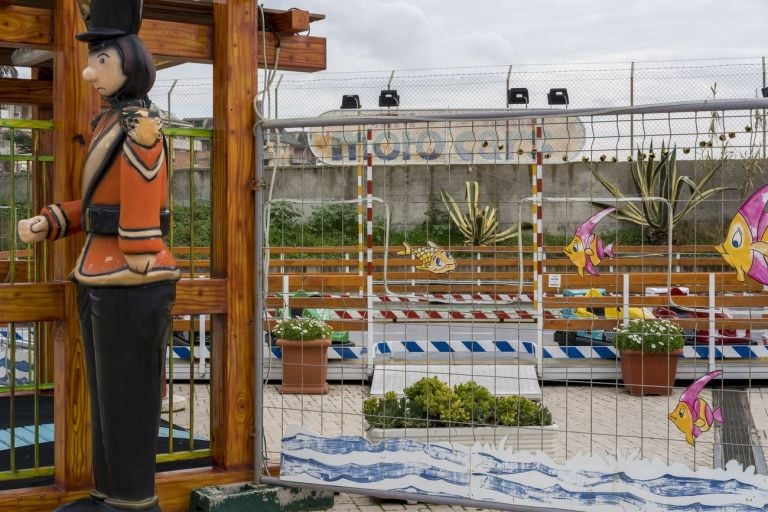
[{"x": 226, "y": 33}]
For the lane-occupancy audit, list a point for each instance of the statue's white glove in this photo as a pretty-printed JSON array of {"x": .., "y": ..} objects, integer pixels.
[
  {"x": 34, "y": 229},
  {"x": 140, "y": 263}
]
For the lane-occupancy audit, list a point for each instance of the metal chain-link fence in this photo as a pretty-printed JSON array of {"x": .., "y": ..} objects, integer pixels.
[{"x": 588, "y": 85}]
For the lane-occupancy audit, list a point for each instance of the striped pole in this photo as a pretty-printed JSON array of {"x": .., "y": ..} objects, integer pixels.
[
  {"x": 360, "y": 242},
  {"x": 537, "y": 129},
  {"x": 369, "y": 234}
]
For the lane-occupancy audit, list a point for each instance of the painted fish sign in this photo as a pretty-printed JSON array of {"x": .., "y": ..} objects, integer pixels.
[
  {"x": 745, "y": 247},
  {"x": 433, "y": 258},
  {"x": 442, "y": 142},
  {"x": 586, "y": 249},
  {"x": 693, "y": 415}
]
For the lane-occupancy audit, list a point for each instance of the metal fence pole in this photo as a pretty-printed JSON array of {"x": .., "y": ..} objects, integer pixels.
[
  {"x": 764, "y": 85},
  {"x": 631, "y": 104},
  {"x": 258, "y": 398}
]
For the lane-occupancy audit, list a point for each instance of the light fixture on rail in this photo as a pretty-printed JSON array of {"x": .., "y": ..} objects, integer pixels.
[
  {"x": 389, "y": 98},
  {"x": 764, "y": 90},
  {"x": 517, "y": 96},
  {"x": 557, "y": 96},
  {"x": 350, "y": 101}
]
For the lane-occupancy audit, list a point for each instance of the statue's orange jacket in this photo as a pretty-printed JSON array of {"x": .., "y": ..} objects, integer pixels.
[{"x": 125, "y": 187}]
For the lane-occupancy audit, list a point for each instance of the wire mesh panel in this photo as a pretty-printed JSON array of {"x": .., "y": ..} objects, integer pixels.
[
  {"x": 186, "y": 419},
  {"x": 26, "y": 351},
  {"x": 497, "y": 284}
]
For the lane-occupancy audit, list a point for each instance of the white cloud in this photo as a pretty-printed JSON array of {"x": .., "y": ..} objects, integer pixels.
[{"x": 402, "y": 35}]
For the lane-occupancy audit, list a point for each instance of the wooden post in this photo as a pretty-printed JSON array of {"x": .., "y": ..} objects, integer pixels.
[
  {"x": 75, "y": 104},
  {"x": 235, "y": 65},
  {"x": 43, "y": 177}
]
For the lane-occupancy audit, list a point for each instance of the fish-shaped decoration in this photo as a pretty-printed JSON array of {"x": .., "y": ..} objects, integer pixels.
[
  {"x": 433, "y": 258},
  {"x": 745, "y": 247},
  {"x": 693, "y": 415},
  {"x": 586, "y": 249}
]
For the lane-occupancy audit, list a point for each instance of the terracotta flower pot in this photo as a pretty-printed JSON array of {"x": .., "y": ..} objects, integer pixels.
[
  {"x": 305, "y": 366},
  {"x": 649, "y": 374}
]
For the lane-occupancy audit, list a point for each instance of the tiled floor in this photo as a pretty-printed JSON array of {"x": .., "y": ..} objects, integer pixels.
[{"x": 592, "y": 419}]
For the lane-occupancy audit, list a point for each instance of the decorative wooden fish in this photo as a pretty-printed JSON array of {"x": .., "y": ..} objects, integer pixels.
[
  {"x": 586, "y": 249},
  {"x": 693, "y": 415},
  {"x": 745, "y": 247},
  {"x": 433, "y": 258}
]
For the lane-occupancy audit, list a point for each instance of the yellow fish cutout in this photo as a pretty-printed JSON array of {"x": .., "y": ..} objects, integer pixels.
[{"x": 433, "y": 258}]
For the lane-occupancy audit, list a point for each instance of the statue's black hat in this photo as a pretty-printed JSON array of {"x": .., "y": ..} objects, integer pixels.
[{"x": 112, "y": 18}]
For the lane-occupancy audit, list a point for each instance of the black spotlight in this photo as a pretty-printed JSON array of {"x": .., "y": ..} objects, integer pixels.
[
  {"x": 517, "y": 96},
  {"x": 350, "y": 101},
  {"x": 557, "y": 97},
  {"x": 389, "y": 98},
  {"x": 765, "y": 92}
]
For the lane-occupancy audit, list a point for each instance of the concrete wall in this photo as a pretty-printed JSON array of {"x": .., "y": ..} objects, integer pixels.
[{"x": 411, "y": 190}]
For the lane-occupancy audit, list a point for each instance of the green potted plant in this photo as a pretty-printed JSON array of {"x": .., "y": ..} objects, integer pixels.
[
  {"x": 432, "y": 411},
  {"x": 649, "y": 350},
  {"x": 304, "y": 346}
]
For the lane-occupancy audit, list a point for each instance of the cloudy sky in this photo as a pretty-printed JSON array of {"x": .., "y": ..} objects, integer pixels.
[
  {"x": 400, "y": 34},
  {"x": 365, "y": 36}
]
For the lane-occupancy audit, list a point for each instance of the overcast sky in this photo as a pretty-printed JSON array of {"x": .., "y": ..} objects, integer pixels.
[
  {"x": 400, "y": 34},
  {"x": 384, "y": 35}
]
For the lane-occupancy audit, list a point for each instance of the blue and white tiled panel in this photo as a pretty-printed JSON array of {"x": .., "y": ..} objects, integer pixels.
[
  {"x": 335, "y": 353},
  {"x": 16, "y": 349},
  {"x": 455, "y": 349},
  {"x": 689, "y": 352}
]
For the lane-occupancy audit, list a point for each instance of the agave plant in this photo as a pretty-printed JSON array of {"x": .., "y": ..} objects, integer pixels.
[
  {"x": 655, "y": 176},
  {"x": 477, "y": 225}
]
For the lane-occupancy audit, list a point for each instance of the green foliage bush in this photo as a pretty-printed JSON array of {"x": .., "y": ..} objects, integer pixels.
[
  {"x": 430, "y": 402},
  {"x": 192, "y": 225}
]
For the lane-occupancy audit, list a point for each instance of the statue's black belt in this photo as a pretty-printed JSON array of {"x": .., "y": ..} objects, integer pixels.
[{"x": 104, "y": 220}]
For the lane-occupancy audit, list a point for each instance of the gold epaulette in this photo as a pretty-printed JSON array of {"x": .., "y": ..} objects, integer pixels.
[{"x": 142, "y": 126}]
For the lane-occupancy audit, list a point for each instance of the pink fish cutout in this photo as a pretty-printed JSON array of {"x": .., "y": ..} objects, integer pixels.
[
  {"x": 745, "y": 247},
  {"x": 693, "y": 415},
  {"x": 586, "y": 249}
]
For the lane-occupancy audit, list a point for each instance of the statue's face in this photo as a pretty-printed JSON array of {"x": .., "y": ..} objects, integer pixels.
[{"x": 105, "y": 71}]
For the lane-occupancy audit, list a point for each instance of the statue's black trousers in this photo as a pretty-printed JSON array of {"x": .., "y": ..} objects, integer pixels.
[{"x": 125, "y": 334}]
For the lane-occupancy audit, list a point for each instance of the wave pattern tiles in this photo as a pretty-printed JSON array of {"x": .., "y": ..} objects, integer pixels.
[{"x": 493, "y": 474}]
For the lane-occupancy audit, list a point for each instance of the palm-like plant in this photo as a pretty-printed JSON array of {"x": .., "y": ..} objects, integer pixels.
[
  {"x": 477, "y": 225},
  {"x": 659, "y": 177}
]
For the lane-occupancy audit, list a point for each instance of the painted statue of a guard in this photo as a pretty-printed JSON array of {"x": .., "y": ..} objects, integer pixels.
[{"x": 125, "y": 274}]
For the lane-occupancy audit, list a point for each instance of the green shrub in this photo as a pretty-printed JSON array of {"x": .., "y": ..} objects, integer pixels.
[
  {"x": 430, "y": 402},
  {"x": 654, "y": 336},
  {"x": 387, "y": 412},
  {"x": 477, "y": 400},
  {"x": 521, "y": 411}
]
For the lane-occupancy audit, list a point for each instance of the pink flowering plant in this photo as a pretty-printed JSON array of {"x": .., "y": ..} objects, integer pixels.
[
  {"x": 302, "y": 329},
  {"x": 652, "y": 336}
]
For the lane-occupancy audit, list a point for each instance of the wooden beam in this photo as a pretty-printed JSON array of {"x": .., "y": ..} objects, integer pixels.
[
  {"x": 75, "y": 104},
  {"x": 31, "y": 302},
  {"x": 200, "y": 296},
  {"x": 30, "y": 27},
  {"x": 192, "y": 43},
  {"x": 40, "y": 302},
  {"x": 232, "y": 257},
  {"x": 288, "y": 22},
  {"x": 16, "y": 91},
  {"x": 25, "y": 27},
  {"x": 173, "y": 487}
]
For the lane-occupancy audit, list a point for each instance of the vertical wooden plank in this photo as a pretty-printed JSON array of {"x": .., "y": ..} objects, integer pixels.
[
  {"x": 43, "y": 177},
  {"x": 234, "y": 87},
  {"x": 75, "y": 104}
]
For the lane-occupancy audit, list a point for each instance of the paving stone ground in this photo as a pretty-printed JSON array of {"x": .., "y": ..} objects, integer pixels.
[{"x": 592, "y": 419}]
